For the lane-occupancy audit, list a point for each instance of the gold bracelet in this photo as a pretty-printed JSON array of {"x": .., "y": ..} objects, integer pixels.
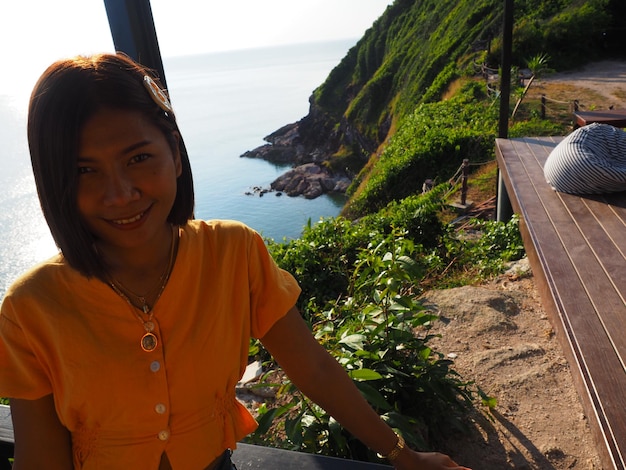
[{"x": 393, "y": 455}]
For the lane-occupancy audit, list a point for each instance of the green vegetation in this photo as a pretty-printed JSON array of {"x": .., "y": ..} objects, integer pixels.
[
  {"x": 431, "y": 143},
  {"x": 361, "y": 298},
  {"x": 414, "y": 52},
  {"x": 362, "y": 280},
  {"x": 371, "y": 332}
]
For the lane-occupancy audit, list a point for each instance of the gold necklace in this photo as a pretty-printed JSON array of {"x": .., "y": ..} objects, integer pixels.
[{"x": 149, "y": 340}]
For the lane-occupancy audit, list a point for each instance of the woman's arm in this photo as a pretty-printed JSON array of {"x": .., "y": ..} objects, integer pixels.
[
  {"x": 41, "y": 441},
  {"x": 321, "y": 378}
]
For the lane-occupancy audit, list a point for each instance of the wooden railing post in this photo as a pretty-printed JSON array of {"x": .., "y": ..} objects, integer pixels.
[{"x": 465, "y": 174}]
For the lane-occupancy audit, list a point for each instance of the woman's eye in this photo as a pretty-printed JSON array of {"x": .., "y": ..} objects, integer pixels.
[
  {"x": 84, "y": 170},
  {"x": 139, "y": 158}
]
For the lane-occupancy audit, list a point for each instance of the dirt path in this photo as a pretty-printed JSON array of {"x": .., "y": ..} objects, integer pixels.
[{"x": 598, "y": 85}]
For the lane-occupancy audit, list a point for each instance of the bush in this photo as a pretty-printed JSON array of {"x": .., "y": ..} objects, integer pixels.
[
  {"x": 430, "y": 144},
  {"x": 379, "y": 333},
  {"x": 323, "y": 258}
]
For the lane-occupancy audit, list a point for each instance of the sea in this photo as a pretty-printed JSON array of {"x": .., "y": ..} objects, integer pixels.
[{"x": 225, "y": 103}]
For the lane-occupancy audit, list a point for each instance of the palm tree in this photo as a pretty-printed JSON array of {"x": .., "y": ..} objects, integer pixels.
[{"x": 538, "y": 65}]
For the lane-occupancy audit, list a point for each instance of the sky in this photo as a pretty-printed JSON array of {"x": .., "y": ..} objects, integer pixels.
[{"x": 34, "y": 33}]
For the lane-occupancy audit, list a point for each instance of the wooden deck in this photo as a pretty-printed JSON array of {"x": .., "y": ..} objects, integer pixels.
[
  {"x": 614, "y": 117},
  {"x": 246, "y": 457},
  {"x": 577, "y": 249}
]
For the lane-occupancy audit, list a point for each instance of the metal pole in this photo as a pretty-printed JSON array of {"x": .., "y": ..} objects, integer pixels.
[
  {"x": 504, "y": 210},
  {"x": 133, "y": 31},
  {"x": 505, "y": 79}
]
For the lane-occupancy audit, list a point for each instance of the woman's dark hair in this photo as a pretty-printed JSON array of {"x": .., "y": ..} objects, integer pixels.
[{"x": 67, "y": 94}]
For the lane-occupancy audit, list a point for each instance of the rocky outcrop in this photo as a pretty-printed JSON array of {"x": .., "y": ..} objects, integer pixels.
[
  {"x": 308, "y": 144},
  {"x": 310, "y": 140},
  {"x": 310, "y": 180},
  {"x": 282, "y": 147}
]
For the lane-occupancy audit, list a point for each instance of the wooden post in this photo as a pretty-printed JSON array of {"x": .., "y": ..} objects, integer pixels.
[
  {"x": 543, "y": 106},
  {"x": 465, "y": 174},
  {"x": 505, "y": 80}
]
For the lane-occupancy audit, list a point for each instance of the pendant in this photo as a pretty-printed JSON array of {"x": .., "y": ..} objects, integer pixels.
[{"x": 149, "y": 342}]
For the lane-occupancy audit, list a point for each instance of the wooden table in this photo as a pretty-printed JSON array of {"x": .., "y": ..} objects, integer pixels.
[
  {"x": 614, "y": 117},
  {"x": 577, "y": 249}
]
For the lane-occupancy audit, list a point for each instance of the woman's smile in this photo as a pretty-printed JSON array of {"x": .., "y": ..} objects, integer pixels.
[{"x": 127, "y": 221}]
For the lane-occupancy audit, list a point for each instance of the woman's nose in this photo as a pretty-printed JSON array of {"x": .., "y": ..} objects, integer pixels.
[{"x": 120, "y": 189}]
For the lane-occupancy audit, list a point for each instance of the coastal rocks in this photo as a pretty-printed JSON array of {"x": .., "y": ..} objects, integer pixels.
[
  {"x": 310, "y": 180},
  {"x": 282, "y": 146}
]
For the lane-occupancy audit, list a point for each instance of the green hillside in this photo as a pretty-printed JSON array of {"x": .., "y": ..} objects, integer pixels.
[{"x": 417, "y": 49}]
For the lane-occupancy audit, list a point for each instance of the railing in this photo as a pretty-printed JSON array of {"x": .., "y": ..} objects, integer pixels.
[{"x": 571, "y": 106}]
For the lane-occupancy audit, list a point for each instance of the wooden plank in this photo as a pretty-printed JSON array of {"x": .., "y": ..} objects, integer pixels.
[
  {"x": 583, "y": 241},
  {"x": 602, "y": 230},
  {"x": 249, "y": 457},
  {"x": 613, "y": 117}
]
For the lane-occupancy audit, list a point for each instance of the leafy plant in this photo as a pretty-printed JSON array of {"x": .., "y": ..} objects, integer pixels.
[
  {"x": 323, "y": 258},
  {"x": 487, "y": 254},
  {"x": 379, "y": 333}
]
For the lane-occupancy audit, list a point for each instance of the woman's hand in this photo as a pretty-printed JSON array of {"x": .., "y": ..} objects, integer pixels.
[{"x": 408, "y": 459}]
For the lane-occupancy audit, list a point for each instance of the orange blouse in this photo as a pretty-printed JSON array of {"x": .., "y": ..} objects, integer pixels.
[{"x": 64, "y": 334}]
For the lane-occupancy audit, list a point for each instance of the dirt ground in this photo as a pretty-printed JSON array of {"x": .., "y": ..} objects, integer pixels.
[{"x": 499, "y": 335}]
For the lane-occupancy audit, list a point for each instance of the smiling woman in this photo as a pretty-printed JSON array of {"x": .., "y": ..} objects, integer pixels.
[{"x": 114, "y": 181}]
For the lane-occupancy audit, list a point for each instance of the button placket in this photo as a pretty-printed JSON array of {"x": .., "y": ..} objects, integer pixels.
[{"x": 160, "y": 406}]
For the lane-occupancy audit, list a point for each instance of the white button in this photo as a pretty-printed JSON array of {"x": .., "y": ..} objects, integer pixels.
[
  {"x": 164, "y": 435},
  {"x": 160, "y": 408},
  {"x": 155, "y": 366}
]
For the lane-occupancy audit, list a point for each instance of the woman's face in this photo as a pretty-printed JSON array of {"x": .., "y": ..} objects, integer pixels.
[{"x": 126, "y": 178}]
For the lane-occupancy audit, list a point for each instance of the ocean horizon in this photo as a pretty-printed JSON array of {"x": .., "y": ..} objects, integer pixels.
[{"x": 225, "y": 104}]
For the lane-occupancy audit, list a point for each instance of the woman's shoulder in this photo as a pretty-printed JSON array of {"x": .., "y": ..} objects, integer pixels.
[
  {"x": 46, "y": 275},
  {"x": 218, "y": 228}
]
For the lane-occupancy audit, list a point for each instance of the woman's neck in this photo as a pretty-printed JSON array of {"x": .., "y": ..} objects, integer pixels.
[{"x": 139, "y": 269}]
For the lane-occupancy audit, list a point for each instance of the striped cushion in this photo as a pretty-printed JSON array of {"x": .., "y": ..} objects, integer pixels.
[{"x": 591, "y": 160}]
